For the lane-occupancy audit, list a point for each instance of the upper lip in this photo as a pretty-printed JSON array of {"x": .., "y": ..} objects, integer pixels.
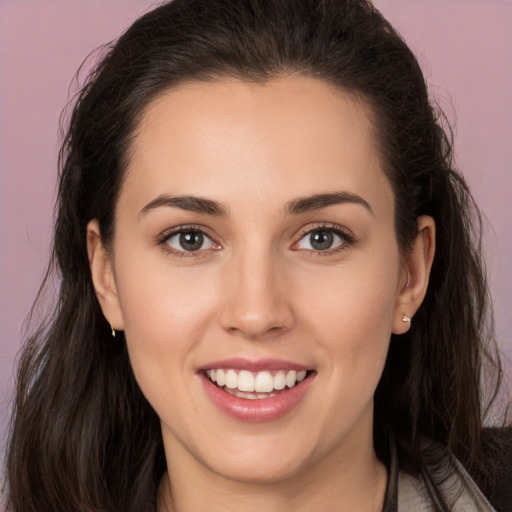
[{"x": 258, "y": 365}]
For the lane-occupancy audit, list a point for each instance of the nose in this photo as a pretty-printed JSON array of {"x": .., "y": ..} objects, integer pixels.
[{"x": 257, "y": 303}]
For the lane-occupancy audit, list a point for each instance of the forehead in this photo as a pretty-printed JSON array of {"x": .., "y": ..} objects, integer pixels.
[{"x": 228, "y": 139}]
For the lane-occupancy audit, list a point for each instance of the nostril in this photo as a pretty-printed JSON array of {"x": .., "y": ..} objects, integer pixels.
[
  {"x": 255, "y": 330},
  {"x": 254, "y": 315}
]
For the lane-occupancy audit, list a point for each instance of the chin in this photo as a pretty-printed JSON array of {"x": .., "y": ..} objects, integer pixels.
[{"x": 257, "y": 472}]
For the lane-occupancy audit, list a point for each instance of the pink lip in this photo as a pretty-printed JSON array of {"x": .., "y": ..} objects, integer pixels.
[
  {"x": 261, "y": 365},
  {"x": 260, "y": 410}
]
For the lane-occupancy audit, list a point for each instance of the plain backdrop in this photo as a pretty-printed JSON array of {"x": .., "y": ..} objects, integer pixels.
[{"x": 464, "y": 47}]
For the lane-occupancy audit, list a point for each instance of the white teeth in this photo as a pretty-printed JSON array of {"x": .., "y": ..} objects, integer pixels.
[
  {"x": 221, "y": 377},
  {"x": 246, "y": 384},
  {"x": 231, "y": 379},
  {"x": 301, "y": 375},
  {"x": 291, "y": 378},
  {"x": 246, "y": 381},
  {"x": 264, "y": 382},
  {"x": 279, "y": 380},
  {"x": 249, "y": 396}
]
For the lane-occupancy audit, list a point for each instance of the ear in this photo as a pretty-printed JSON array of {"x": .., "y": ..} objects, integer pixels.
[
  {"x": 416, "y": 272},
  {"x": 103, "y": 277}
]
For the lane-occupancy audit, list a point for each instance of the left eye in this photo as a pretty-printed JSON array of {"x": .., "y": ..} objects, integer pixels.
[
  {"x": 191, "y": 240},
  {"x": 321, "y": 240}
]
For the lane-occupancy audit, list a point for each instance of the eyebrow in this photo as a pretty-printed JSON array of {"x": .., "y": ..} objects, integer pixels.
[
  {"x": 318, "y": 201},
  {"x": 294, "y": 207},
  {"x": 189, "y": 203}
]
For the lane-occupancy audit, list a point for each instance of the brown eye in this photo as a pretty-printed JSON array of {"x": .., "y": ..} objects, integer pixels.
[{"x": 191, "y": 240}]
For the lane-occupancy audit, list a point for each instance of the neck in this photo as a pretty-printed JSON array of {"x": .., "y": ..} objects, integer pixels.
[{"x": 340, "y": 484}]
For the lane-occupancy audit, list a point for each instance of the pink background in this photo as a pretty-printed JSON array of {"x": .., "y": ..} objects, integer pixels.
[{"x": 464, "y": 47}]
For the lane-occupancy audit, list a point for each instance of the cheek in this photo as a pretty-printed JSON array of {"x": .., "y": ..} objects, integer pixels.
[
  {"x": 164, "y": 319},
  {"x": 351, "y": 315},
  {"x": 164, "y": 313},
  {"x": 355, "y": 298},
  {"x": 156, "y": 297}
]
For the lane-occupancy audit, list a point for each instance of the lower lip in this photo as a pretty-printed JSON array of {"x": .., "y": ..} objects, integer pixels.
[{"x": 258, "y": 410}]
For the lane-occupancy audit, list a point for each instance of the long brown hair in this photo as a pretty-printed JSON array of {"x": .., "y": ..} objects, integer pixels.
[{"x": 83, "y": 436}]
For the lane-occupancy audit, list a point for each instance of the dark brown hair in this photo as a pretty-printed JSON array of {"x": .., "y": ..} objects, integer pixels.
[{"x": 83, "y": 436}]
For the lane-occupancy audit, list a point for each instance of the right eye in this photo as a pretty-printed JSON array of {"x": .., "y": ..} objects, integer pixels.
[
  {"x": 189, "y": 240},
  {"x": 325, "y": 240}
]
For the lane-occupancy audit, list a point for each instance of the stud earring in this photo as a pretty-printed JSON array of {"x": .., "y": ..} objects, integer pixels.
[
  {"x": 405, "y": 318},
  {"x": 113, "y": 331}
]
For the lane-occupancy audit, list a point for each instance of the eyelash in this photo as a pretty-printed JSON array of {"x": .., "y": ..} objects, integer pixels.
[{"x": 346, "y": 237}]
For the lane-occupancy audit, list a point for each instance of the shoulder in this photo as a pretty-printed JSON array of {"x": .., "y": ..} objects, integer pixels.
[
  {"x": 500, "y": 492},
  {"x": 446, "y": 481}
]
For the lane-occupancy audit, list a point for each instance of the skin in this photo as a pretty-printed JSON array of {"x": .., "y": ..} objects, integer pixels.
[{"x": 257, "y": 289}]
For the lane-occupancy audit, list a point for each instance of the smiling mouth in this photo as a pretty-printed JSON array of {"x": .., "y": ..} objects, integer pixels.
[{"x": 255, "y": 385}]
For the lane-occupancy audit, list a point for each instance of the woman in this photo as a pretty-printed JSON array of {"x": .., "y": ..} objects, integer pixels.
[{"x": 270, "y": 297}]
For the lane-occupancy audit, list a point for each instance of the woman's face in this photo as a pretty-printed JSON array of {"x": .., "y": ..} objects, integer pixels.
[{"x": 255, "y": 246}]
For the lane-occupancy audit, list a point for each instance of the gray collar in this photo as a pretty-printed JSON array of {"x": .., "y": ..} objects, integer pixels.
[{"x": 458, "y": 489}]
